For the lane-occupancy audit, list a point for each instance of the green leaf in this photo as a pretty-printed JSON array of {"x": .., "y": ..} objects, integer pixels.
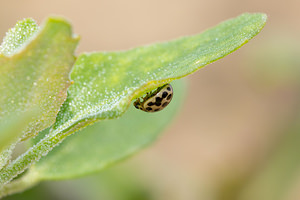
[
  {"x": 35, "y": 74},
  {"x": 11, "y": 130},
  {"x": 17, "y": 37},
  {"x": 106, "y": 142},
  {"x": 34, "y": 70},
  {"x": 106, "y": 83}
]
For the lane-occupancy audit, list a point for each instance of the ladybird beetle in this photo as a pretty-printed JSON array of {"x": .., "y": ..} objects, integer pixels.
[{"x": 156, "y": 100}]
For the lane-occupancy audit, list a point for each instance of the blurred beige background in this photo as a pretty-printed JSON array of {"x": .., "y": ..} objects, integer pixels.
[{"x": 232, "y": 117}]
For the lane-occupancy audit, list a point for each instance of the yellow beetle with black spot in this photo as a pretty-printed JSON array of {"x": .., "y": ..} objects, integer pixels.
[{"x": 156, "y": 100}]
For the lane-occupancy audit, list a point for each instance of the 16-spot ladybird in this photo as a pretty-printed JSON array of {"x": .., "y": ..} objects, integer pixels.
[{"x": 156, "y": 100}]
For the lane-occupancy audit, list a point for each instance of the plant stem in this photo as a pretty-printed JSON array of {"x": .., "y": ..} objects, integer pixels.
[
  {"x": 5, "y": 156},
  {"x": 27, "y": 181},
  {"x": 33, "y": 154}
]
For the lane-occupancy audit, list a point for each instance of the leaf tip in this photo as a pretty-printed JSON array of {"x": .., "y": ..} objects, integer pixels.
[{"x": 59, "y": 21}]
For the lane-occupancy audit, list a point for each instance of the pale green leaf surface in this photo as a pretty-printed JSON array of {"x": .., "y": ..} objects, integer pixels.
[
  {"x": 8, "y": 136},
  {"x": 10, "y": 130},
  {"x": 17, "y": 37},
  {"x": 106, "y": 83},
  {"x": 106, "y": 142},
  {"x": 37, "y": 74}
]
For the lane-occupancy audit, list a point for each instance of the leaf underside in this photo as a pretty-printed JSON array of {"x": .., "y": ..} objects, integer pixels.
[
  {"x": 98, "y": 146},
  {"x": 105, "y": 83}
]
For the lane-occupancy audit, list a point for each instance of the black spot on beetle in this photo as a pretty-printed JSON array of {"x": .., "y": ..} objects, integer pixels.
[
  {"x": 150, "y": 104},
  {"x": 148, "y": 108},
  {"x": 165, "y": 94},
  {"x": 169, "y": 97},
  {"x": 165, "y": 104},
  {"x": 158, "y": 100},
  {"x": 168, "y": 88},
  {"x": 157, "y": 103}
]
